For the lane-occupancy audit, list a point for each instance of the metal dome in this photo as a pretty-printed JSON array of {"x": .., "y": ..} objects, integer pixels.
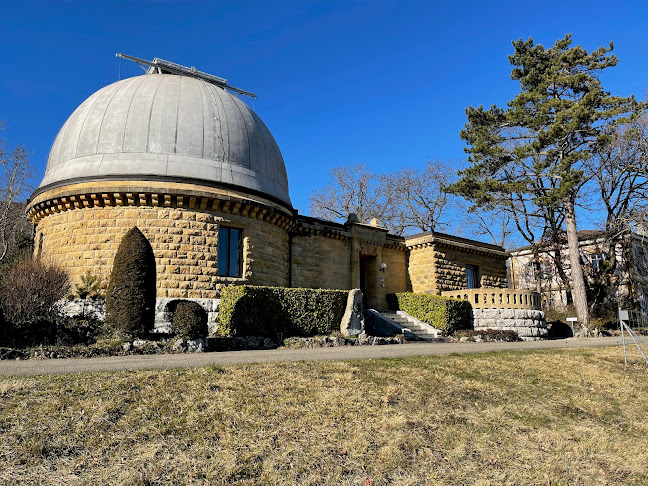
[{"x": 167, "y": 127}]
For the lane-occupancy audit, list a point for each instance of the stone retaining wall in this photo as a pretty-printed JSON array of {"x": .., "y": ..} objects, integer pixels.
[
  {"x": 529, "y": 324},
  {"x": 163, "y": 314}
]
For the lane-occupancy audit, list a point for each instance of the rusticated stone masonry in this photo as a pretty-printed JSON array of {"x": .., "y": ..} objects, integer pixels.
[
  {"x": 437, "y": 264},
  {"x": 185, "y": 243}
]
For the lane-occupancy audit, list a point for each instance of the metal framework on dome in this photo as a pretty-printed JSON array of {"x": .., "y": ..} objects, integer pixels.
[{"x": 160, "y": 66}]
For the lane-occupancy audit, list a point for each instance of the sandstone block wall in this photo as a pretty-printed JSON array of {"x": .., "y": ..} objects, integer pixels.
[
  {"x": 423, "y": 270},
  {"x": 321, "y": 262},
  {"x": 185, "y": 243},
  {"x": 396, "y": 276},
  {"x": 451, "y": 268}
]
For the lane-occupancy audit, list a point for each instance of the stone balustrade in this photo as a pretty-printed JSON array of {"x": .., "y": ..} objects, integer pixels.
[{"x": 495, "y": 298}]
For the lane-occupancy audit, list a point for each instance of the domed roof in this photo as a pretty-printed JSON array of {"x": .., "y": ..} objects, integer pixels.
[{"x": 167, "y": 127}]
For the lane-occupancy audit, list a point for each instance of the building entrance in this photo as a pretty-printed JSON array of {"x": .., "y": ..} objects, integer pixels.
[{"x": 367, "y": 264}]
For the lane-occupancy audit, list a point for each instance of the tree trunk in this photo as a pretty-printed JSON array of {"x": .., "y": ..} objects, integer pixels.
[
  {"x": 560, "y": 268},
  {"x": 577, "y": 278},
  {"x": 537, "y": 269}
]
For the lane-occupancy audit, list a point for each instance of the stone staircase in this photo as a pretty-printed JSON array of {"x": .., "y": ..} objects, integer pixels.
[{"x": 419, "y": 331}]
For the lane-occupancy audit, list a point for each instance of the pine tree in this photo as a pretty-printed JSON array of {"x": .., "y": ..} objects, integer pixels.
[{"x": 529, "y": 156}]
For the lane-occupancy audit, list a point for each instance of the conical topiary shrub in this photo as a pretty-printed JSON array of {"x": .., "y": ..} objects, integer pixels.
[{"x": 130, "y": 298}]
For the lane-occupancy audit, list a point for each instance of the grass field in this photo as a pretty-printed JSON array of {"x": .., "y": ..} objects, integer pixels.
[{"x": 574, "y": 416}]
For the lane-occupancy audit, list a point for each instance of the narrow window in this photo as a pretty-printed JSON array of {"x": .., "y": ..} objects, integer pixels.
[
  {"x": 40, "y": 247},
  {"x": 472, "y": 276},
  {"x": 229, "y": 252}
]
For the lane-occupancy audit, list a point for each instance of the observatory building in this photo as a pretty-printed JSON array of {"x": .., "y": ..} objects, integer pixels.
[{"x": 176, "y": 153}]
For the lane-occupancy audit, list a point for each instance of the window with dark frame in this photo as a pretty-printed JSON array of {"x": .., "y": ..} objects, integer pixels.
[
  {"x": 596, "y": 260},
  {"x": 230, "y": 261},
  {"x": 472, "y": 276}
]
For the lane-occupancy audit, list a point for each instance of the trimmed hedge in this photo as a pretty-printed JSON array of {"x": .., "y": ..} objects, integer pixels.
[
  {"x": 444, "y": 313},
  {"x": 190, "y": 320},
  {"x": 280, "y": 312}
]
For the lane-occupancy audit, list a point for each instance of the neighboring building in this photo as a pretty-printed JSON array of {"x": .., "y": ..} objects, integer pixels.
[
  {"x": 199, "y": 173},
  {"x": 629, "y": 277}
]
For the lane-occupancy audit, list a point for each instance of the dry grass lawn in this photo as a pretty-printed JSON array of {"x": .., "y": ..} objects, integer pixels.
[{"x": 573, "y": 417}]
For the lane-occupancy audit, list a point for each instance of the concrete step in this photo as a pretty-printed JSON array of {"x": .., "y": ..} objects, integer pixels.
[{"x": 416, "y": 329}]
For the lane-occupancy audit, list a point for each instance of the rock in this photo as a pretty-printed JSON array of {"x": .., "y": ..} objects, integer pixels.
[
  {"x": 178, "y": 346},
  {"x": 464, "y": 339},
  {"x": 189, "y": 345},
  {"x": 253, "y": 342},
  {"x": 352, "y": 323},
  {"x": 138, "y": 343},
  {"x": 196, "y": 345},
  {"x": 127, "y": 347},
  {"x": 363, "y": 338}
]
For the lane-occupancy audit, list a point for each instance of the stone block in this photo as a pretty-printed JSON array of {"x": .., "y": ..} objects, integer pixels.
[{"x": 352, "y": 321}]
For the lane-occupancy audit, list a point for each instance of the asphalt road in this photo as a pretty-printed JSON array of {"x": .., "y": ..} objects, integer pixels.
[{"x": 163, "y": 361}]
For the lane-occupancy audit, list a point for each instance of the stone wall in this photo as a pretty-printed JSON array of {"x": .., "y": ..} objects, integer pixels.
[
  {"x": 321, "y": 262},
  {"x": 436, "y": 268},
  {"x": 529, "y": 324},
  {"x": 396, "y": 276},
  {"x": 332, "y": 261},
  {"x": 185, "y": 243},
  {"x": 451, "y": 268},
  {"x": 422, "y": 270}
]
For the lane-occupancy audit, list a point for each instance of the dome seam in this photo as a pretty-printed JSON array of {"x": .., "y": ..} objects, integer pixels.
[
  {"x": 103, "y": 117},
  {"x": 204, "y": 125},
  {"x": 148, "y": 125},
  {"x": 130, "y": 104},
  {"x": 220, "y": 105},
  {"x": 247, "y": 133},
  {"x": 177, "y": 117},
  {"x": 76, "y": 147}
]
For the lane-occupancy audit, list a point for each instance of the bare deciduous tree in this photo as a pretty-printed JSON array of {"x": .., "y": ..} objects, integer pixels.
[
  {"x": 619, "y": 172},
  {"x": 353, "y": 188},
  {"x": 496, "y": 225},
  {"x": 419, "y": 197},
  {"x": 15, "y": 174},
  {"x": 403, "y": 201}
]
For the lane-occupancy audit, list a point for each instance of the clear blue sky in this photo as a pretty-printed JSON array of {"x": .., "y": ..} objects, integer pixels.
[{"x": 385, "y": 83}]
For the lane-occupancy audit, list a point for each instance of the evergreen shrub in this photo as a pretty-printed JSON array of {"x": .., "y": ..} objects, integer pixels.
[
  {"x": 444, "y": 313},
  {"x": 130, "y": 297},
  {"x": 190, "y": 320},
  {"x": 280, "y": 312}
]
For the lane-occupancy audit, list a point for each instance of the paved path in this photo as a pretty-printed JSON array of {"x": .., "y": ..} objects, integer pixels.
[{"x": 162, "y": 361}]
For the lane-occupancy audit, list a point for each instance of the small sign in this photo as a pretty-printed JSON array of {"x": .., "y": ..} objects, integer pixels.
[
  {"x": 572, "y": 319},
  {"x": 624, "y": 315}
]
